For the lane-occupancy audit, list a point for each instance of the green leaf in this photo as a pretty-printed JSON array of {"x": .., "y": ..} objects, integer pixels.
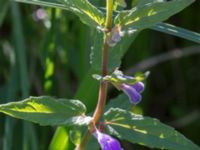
[
  {"x": 47, "y": 111},
  {"x": 76, "y": 135},
  {"x": 177, "y": 31},
  {"x": 120, "y": 3},
  {"x": 120, "y": 101},
  {"x": 60, "y": 140},
  {"x": 115, "y": 54},
  {"x": 89, "y": 98},
  {"x": 145, "y": 131},
  {"x": 146, "y": 2},
  {"x": 146, "y": 15},
  {"x": 88, "y": 13},
  {"x": 29, "y": 133}
]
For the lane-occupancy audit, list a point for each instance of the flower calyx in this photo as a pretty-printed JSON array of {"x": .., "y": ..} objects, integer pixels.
[{"x": 131, "y": 86}]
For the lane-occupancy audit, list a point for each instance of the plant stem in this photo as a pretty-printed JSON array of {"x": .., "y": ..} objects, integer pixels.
[
  {"x": 103, "y": 85},
  {"x": 109, "y": 14}
]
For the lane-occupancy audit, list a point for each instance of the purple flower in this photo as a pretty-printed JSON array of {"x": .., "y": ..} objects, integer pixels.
[
  {"x": 106, "y": 142},
  {"x": 116, "y": 37},
  {"x": 133, "y": 91}
]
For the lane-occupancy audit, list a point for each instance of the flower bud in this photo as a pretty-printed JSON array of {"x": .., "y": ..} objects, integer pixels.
[{"x": 115, "y": 36}]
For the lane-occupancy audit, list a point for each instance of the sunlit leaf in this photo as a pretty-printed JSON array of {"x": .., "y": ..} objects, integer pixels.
[
  {"x": 145, "y": 131},
  {"x": 88, "y": 13},
  {"x": 146, "y": 15},
  {"x": 89, "y": 98},
  {"x": 47, "y": 111},
  {"x": 60, "y": 139},
  {"x": 145, "y": 2}
]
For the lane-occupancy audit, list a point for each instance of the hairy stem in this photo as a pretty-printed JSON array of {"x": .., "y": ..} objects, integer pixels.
[
  {"x": 102, "y": 88},
  {"x": 103, "y": 85}
]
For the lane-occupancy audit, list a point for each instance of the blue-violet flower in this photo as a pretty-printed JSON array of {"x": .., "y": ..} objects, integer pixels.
[
  {"x": 106, "y": 142},
  {"x": 133, "y": 91},
  {"x": 115, "y": 36}
]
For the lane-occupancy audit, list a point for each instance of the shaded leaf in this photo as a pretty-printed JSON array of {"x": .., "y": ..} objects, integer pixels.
[
  {"x": 145, "y": 131},
  {"x": 76, "y": 135},
  {"x": 90, "y": 97},
  {"x": 120, "y": 101},
  {"x": 115, "y": 53},
  {"x": 47, "y": 111}
]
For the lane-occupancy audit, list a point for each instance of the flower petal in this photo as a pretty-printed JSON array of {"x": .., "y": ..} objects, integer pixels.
[
  {"x": 107, "y": 142},
  {"x": 133, "y": 95},
  {"x": 139, "y": 87}
]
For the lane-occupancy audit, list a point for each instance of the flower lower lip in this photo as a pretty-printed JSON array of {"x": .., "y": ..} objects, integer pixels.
[{"x": 133, "y": 92}]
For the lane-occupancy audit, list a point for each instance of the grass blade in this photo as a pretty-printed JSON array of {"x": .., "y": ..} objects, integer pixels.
[
  {"x": 3, "y": 7},
  {"x": 177, "y": 31},
  {"x": 23, "y": 73}
]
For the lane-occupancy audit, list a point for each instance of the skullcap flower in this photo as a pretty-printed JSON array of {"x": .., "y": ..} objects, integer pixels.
[
  {"x": 133, "y": 91},
  {"x": 106, "y": 141}
]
